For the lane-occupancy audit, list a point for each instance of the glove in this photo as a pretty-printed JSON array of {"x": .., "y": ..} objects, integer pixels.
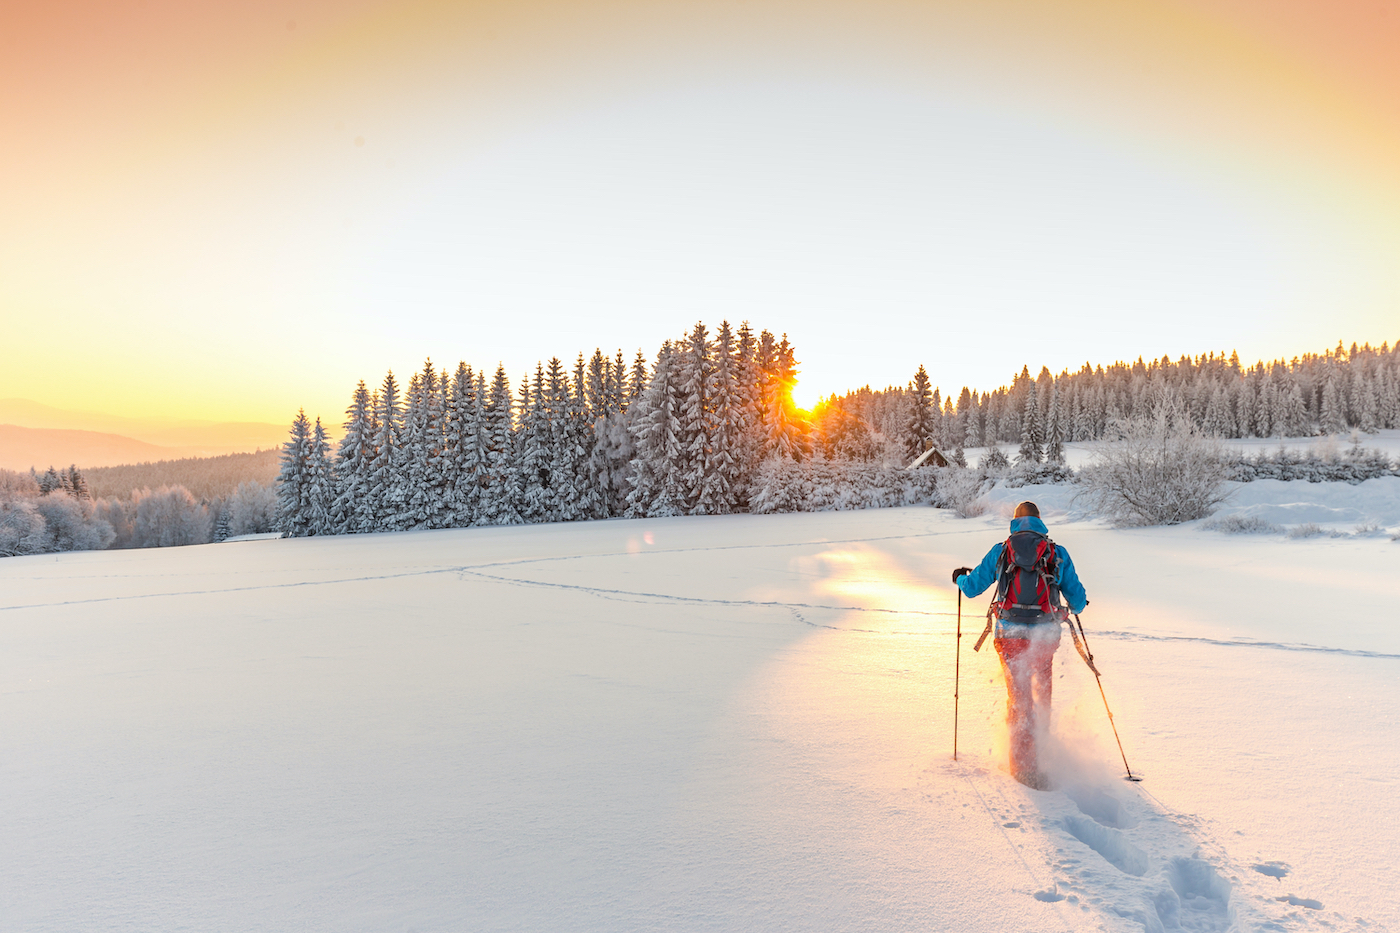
[{"x": 959, "y": 572}]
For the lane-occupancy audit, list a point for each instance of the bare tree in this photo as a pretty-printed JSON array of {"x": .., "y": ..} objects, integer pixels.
[{"x": 1157, "y": 470}]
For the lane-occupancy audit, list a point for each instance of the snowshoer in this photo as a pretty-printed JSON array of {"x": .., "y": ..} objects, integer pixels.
[{"x": 1031, "y": 573}]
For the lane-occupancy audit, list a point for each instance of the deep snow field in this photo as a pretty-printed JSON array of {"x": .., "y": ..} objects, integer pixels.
[{"x": 727, "y": 723}]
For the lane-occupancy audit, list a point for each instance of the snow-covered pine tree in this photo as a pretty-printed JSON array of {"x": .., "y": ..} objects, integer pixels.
[
  {"x": 535, "y": 444},
  {"x": 723, "y": 469},
  {"x": 617, "y": 384},
  {"x": 1295, "y": 414},
  {"x": 569, "y": 480},
  {"x": 320, "y": 483},
  {"x": 49, "y": 482},
  {"x": 1333, "y": 421},
  {"x": 1267, "y": 414},
  {"x": 656, "y": 469},
  {"x": 293, "y": 480},
  {"x": 1237, "y": 408},
  {"x": 1213, "y": 423},
  {"x": 936, "y": 409},
  {"x": 581, "y": 497},
  {"x": 1032, "y": 435},
  {"x": 747, "y": 415},
  {"x": 639, "y": 378},
  {"x": 220, "y": 510},
  {"x": 965, "y": 430},
  {"x": 994, "y": 461},
  {"x": 1009, "y": 424},
  {"x": 1388, "y": 387},
  {"x": 353, "y": 458},
  {"x": 439, "y": 503},
  {"x": 384, "y": 494},
  {"x": 1369, "y": 420},
  {"x": 422, "y": 494},
  {"x": 500, "y": 495},
  {"x": 1055, "y": 430},
  {"x": 609, "y": 441},
  {"x": 596, "y": 384},
  {"x": 461, "y": 448},
  {"x": 75, "y": 484},
  {"x": 1354, "y": 391},
  {"x": 1042, "y": 395},
  {"x": 952, "y": 431},
  {"x": 407, "y": 471},
  {"x": 787, "y": 431},
  {"x": 1076, "y": 421},
  {"x": 1100, "y": 410},
  {"x": 695, "y": 372}
]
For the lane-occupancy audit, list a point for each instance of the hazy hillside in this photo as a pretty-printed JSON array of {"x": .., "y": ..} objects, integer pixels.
[
  {"x": 191, "y": 437},
  {"x": 205, "y": 477},
  {"x": 22, "y": 448}
]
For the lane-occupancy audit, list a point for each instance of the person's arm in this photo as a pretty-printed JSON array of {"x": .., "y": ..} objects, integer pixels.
[
  {"x": 973, "y": 584},
  {"x": 1070, "y": 586}
]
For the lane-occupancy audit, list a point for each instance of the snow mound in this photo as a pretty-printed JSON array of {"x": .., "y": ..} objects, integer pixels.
[{"x": 1289, "y": 503}]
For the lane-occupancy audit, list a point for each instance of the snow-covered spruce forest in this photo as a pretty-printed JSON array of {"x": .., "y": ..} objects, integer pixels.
[
  {"x": 707, "y": 429},
  {"x": 710, "y": 428}
]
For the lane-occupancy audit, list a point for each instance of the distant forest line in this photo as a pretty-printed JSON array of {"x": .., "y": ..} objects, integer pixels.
[{"x": 706, "y": 427}]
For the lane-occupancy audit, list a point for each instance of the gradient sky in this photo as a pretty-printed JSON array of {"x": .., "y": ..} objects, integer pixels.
[{"x": 231, "y": 210}]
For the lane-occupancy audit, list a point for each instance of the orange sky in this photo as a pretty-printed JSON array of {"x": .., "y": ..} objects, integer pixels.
[{"x": 231, "y": 210}]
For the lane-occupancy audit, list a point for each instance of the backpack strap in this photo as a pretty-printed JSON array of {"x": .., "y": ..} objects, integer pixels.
[{"x": 991, "y": 621}]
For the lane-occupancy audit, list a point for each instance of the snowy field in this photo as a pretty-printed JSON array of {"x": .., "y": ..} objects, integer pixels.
[{"x": 728, "y": 723}]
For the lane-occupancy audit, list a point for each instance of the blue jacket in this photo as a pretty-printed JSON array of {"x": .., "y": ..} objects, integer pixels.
[{"x": 985, "y": 574}]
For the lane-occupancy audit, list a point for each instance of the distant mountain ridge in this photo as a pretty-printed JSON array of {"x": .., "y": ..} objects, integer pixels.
[
  {"x": 33, "y": 434},
  {"x": 22, "y": 448},
  {"x": 190, "y": 435}
]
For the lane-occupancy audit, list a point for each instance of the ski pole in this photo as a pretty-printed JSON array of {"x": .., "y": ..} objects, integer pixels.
[
  {"x": 957, "y": 673},
  {"x": 1081, "y": 642}
]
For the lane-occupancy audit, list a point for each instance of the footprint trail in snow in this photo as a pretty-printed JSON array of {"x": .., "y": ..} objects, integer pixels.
[{"x": 1115, "y": 853}]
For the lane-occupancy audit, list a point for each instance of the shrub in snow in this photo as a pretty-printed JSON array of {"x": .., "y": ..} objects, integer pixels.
[
  {"x": 1155, "y": 471},
  {"x": 1242, "y": 525},
  {"x": 72, "y": 524},
  {"x": 21, "y": 526},
  {"x": 35, "y": 521},
  {"x": 1027, "y": 473},
  {"x": 16, "y": 485},
  {"x": 1321, "y": 465},
  {"x": 119, "y": 514},
  {"x": 962, "y": 490},
  {"x": 168, "y": 517},
  {"x": 837, "y": 485},
  {"x": 994, "y": 462},
  {"x": 1368, "y": 530},
  {"x": 252, "y": 509},
  {"x": 1313, "y": 530}
]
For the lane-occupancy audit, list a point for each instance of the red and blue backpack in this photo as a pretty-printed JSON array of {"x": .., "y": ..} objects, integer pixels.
[{"x": 1027, "y": 575}]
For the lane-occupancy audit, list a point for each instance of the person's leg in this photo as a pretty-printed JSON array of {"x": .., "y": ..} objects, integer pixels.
[
  {"x": 1040, "y": 666},
  {"x": 1020, "y": 708},
  {"x": 1040, "y": 660}
]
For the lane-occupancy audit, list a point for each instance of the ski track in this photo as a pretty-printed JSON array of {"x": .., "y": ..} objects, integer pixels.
[{"x": 475, "y": 570}]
